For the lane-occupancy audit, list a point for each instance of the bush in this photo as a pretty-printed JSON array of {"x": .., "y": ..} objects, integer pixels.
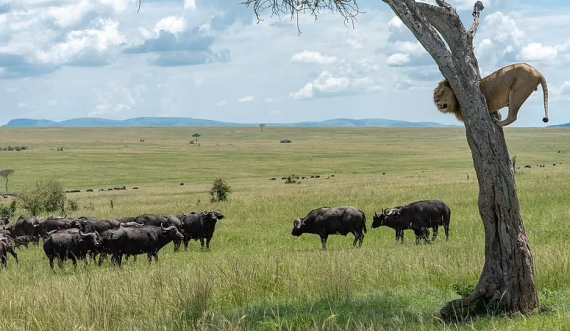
[
  {"x": 48, "y": 196},
  {"x": 72, "y": 205},
  {"x": 291, "y": 180},
  {"x": 8, "y": 210},
  {"x": 220, "y": 190}
]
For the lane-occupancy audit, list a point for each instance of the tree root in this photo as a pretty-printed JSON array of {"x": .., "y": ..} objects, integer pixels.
[{"x": 456, "y": 307}]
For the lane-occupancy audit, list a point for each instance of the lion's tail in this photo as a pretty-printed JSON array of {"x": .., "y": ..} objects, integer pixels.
[{"x": 545, "y": 95}]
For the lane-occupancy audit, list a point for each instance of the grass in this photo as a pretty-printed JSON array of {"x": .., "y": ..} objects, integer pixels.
[{"x": 259, "y": 277}]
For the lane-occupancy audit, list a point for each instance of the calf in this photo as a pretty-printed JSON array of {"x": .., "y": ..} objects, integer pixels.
[
  {"x": 326, "y": 221},
  {"x": 25, "y": 240}
]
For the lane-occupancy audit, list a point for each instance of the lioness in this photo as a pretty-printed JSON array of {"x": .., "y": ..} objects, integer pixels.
[{"x": 508, "y": 86}]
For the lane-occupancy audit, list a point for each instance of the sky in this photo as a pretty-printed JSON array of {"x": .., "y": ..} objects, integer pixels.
[{"x": 212, "y": 59}]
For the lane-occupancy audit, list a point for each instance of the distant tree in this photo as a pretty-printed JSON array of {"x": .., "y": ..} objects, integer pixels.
[
  {"x": 196, "y": 135},
  {"x": 261, "y": 126},
  {"x": 6, "y": 173}
]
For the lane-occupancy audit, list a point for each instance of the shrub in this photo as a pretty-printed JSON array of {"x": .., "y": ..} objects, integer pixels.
[
  {"x": 72, "y": 205},
  {"x": 48, "y": 196},
  {"x": 8, "y": 210},
  {"x": 291, "y": 179},
  {"x": 220, "y": 190}
]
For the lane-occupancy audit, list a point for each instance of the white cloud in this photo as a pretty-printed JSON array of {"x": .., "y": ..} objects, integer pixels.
[
  {"x": 537, "y": 52},
  {"x": 22, "y": 105},
  {"x": 312, "y": 57},
  {"x": 247, "y": 98},
  {"x": 221, "y": 103},
  {"x": 329, "y": 85},
  {"x": 71, "y": 15},
  {"x": 354, "y": 43},
  {"x": 398, "y": 59},
  {"x": 170, "y": 24},
  {"x": 396, "y": 23},
  {"x": 190, "y": 4}
]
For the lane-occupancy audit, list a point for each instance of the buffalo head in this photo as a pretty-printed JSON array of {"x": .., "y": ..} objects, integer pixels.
[
  {"x": 172, "y": 232},
  {"x": 92, "y": 238},
  {"x": 5, "y": 221},
  {"x": 379, "y": 220},
  {"x": 297, "y": 228}
]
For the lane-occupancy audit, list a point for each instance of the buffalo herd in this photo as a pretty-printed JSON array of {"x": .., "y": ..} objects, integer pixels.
[
  {"x": 87, "y": 238},
  {"x": 80, "y": 238}
]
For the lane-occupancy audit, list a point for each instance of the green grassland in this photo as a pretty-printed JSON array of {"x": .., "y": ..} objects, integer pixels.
[{"x": 259, "y": 277}]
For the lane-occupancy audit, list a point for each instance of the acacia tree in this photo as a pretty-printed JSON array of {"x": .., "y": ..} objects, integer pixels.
[
  {"x": 507, "y": 279},
  {"x": 196, "y": 135},
  {"x": 261, "y": 126},
  {"x": 6, "y": 173}
]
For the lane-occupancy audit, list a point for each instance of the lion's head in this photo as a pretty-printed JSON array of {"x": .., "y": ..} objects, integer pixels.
[{"x": 445, "y": 99}]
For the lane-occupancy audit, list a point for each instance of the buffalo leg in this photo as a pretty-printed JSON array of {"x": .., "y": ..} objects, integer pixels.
[
  {"x": 149, "y": 257},
  {"x": 51, "y": 262},
  {"x": 434, "y": 234},
  {"x": 202, "y": 243},
  {"x": 177, "y": 245},
  {"x": 186, "y": 240},
  {"x": 4, "y": 259},
  {"x": 324, "y": 241},
  {"x": 361, "y": 239},
  {"x": 14, "y": 255},
  {"x": 355, "y": 238},
  {"x": 208, "y": 243}
]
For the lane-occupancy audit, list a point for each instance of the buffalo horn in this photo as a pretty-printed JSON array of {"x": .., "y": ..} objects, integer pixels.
[{"x": 166, "y": 229}]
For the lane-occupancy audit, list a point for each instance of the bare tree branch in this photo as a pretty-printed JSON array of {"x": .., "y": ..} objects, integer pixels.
[
  {"x": 348, "y": 9},
  {"x": 477, "y": 9},
  {"x": 409, "y": 12},
  {"x": 140, "y": 2}
]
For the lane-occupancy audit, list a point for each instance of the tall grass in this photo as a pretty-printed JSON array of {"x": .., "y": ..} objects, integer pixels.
[{"x": 259, "y": 277}]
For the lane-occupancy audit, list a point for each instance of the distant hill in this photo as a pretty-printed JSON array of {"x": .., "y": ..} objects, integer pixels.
[
  {"x": 567, "y": 125},
  {"x": 186, "y": 121}
]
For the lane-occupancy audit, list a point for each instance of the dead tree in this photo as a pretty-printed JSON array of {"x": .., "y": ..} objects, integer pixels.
[{"x": 508, "y": 278}]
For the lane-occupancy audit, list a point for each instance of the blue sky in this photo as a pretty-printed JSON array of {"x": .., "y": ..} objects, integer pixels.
[{"x": 61, "y": 59}]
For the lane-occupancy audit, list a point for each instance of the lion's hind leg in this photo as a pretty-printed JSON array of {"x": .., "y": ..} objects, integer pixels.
[{"x": 516, "y": 100}]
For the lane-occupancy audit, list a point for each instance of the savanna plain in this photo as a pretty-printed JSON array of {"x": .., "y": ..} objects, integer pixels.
[{"x": 259, "y": 277}]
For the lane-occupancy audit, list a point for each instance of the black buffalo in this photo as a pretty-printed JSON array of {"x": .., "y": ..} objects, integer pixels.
[
  {"x": 326, "y": 221},
  {"x": 200, "y": 226},
  {"x": 95, "y": 225},
  {"x": 52, "y": 224},
  {"x": 5, "y": 248},
  {"x": 418, "y": 216},
  {"x": 25, "y": 226},
  {"x": 70, "y": 244},
  {"x": 26, "y": 240},
  {"x": 135, "y": 240},
  {"x": 165, "y": 220}
]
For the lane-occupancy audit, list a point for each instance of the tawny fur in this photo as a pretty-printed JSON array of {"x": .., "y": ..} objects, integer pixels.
[{"x": 509, "y": 86}]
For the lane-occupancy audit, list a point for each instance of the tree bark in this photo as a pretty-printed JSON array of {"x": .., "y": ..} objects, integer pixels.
[{"x": 508, "y": 274}]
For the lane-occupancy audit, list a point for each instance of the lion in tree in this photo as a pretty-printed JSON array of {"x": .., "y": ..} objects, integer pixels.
[{"x": 509, "y": 86}]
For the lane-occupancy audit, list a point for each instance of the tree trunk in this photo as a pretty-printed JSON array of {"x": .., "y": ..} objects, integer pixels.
[{"x": 507, "y": 279}]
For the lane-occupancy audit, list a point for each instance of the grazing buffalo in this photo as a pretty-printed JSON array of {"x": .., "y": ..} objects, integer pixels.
[
  {"x": 418, "y": 216},
  {"x": 200, "y": 226},
  {"x": 70, "y": 244},
  {"x": 5, "y": 221},
  {"x": 147, "y": 239},
  {"x": 326, "y": 221},
  {"x": 5, "y": 248},
  {"x": 99, "y": 226}
]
